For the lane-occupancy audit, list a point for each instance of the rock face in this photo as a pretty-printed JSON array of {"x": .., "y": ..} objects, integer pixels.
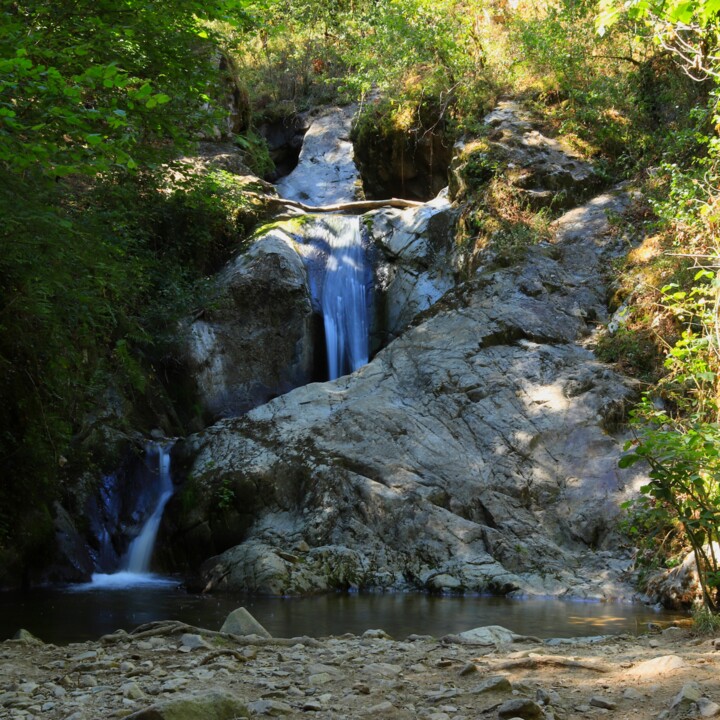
[
  {"x": 415, "y": 268},
  {"x": 474, "y": 453},
  {"x": 548, "y": 172},
  {"x": 258, "y": 339}
]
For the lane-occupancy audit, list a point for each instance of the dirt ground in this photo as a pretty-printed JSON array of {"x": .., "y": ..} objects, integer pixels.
[{"x": 170, "y": 671}]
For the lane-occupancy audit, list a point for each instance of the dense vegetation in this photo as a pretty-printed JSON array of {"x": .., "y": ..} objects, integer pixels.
[{"x": 103, "y": 254}]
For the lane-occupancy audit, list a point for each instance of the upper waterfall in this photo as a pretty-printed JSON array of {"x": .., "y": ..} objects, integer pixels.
[
  {"x": 326, "y": 173},
  {"x": 344, "y": 298}
]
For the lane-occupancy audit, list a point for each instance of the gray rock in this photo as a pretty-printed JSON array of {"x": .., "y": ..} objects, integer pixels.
[
  {"x": 602, "y": 702},
  {"x": 193, "y": 641},
  {"x": 689, "y": 694},
  {"x": 256, "y": 341},
  {"x": 495, "y": 683},
  {"x": 241, "y": 622},
  {"x": 520, "y": 708},
  {"x": 26, "y": 636},
  {"x": 479, "y": 448},
  {"x": 491, "y": 635},
  {"x": 271, "y": 708},
  {"x": 546, "y": 170},
  {"x": 708, "y": 708}
]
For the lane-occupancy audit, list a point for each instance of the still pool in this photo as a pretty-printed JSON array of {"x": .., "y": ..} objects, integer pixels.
[{"x": 71, "y": 615}]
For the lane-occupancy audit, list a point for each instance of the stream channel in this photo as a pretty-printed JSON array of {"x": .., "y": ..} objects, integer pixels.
[{"x": 133, "y": 596}]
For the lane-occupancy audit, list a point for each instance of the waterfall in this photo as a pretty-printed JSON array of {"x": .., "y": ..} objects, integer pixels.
[
  {"x": 141, "y": 548},
  {"x": 344, "y": 297},
  {"x": 135, "y": 565}
]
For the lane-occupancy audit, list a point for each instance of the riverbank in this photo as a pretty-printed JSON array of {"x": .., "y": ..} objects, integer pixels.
[{"x": 170, "y": 671}]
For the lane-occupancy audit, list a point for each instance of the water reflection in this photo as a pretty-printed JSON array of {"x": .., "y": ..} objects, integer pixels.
[{"x": 61, "y": 617}]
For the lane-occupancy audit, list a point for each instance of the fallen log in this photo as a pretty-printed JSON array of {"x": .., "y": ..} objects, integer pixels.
[{"x": 355, "y": 206}]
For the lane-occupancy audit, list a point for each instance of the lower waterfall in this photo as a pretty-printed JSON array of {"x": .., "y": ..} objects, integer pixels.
[{"x": 135, "y": 565}]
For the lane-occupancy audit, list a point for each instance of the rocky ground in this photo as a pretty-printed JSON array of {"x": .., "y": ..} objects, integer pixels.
[{"x": 168, "y": 671}]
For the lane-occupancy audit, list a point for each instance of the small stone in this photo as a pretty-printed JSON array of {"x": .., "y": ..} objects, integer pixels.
[
  {"x": 241, "y": 622},
  {"x": 495, "y": 683},
  {"x": 126, "y": 667},
  {"x": 384, "y": 669},
  {"x": 469, "y": 669},
  {"x": 376, "y": 635},
  {"x": 174, "y": 684},
  {"x": 708, "y": 708},
  {"x": 26, "y": 636},
  {"x": 380, "y": 708},
  {"x": 521, "y": 708},
  {"x": 273, "y": 708},
  {"x": 322, "y": 678},
  {"x": 87, "y": 681},
  {"x": 89, "y": 655},
  {"x": 192, "y": 641},
  {"x": 600, "y": 702},
  {"x": 632, "y": 694},
  {"x": 654, "y": 643},
  {"x": 132, "y": 691},
  {"x": 312, "y": 706},
  {"x": 28, "y": 688},
  {"x": 690, "y": 693}
]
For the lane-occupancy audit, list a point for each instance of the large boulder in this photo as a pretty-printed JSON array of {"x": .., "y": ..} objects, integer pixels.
[
  {"x": 257, "y": 340},
  {"x": 415, "y": 267},
  {"x": 476, "y": 452}
]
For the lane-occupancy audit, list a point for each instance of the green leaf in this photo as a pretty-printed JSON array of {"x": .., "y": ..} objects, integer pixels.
[{"x": 627, "y": 460}]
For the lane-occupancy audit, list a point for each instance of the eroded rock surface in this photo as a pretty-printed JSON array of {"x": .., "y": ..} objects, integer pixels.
[
  {"x": 474, "y": 453},
  {"x": 545, "y": 169}
]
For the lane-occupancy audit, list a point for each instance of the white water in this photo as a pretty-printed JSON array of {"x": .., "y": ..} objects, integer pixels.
[
  {"x": 136, "y": 566},
  {"x": 344, "y": 298}
]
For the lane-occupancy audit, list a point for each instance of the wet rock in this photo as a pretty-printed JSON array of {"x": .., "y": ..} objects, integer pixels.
[
  {"x": 386, "y": 473},
  {"x": 257, "y": 340}
]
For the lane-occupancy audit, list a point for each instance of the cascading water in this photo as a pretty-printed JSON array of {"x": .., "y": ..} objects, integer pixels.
[
  {"x": 135, "y": 565},
  {"x": 141, "y": 548},
  {"x": 344, "y": 298}
]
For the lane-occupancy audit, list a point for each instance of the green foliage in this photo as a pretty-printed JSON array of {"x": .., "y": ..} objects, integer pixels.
[
  {"x": 95, "y": 85},
  {"x": 684, "y": 486},
  {"x": 705, "y": 622}
]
